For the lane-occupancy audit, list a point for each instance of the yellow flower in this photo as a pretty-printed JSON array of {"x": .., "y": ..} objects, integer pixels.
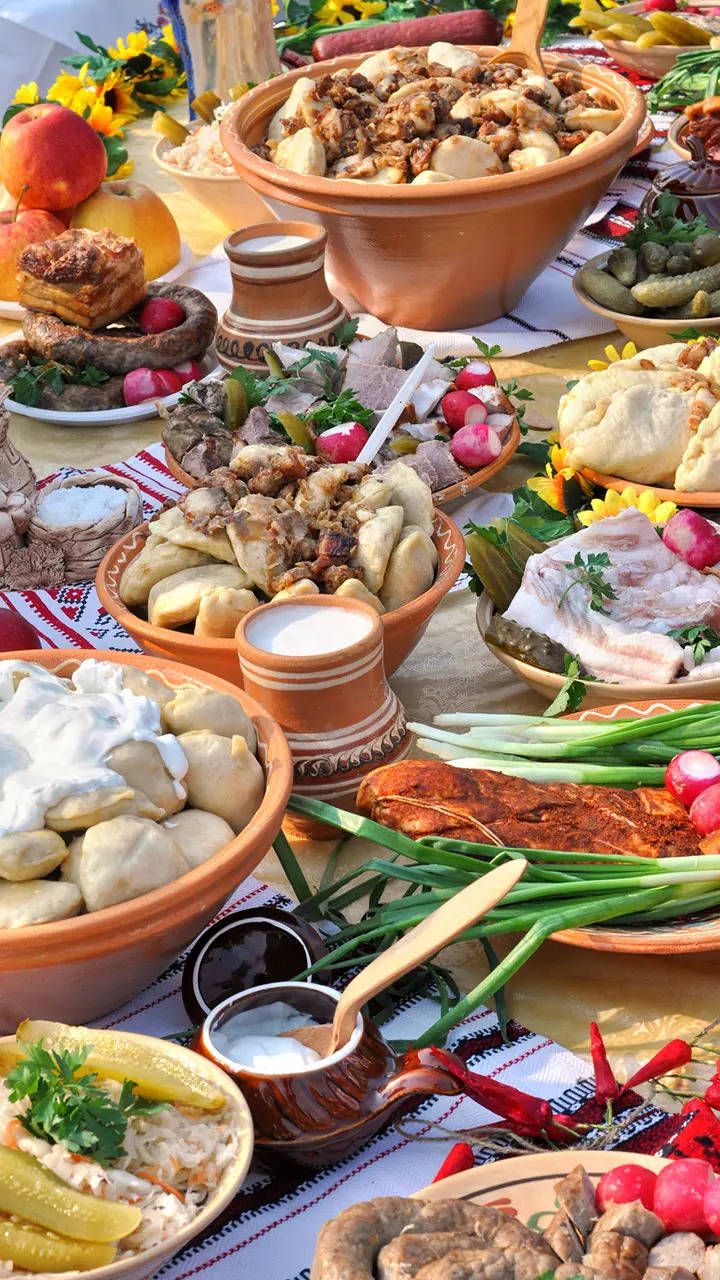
[
  {"x": 103, "y": 120},
  {"x": 333, "y": 12},
  {"x": 647, "y": 501},
  {"x": 369, "y": 8},
  {"x": 613, "y": 354},
  {"x": 72, "y": 90},
  {"x": 168, "y": 35},
  {"x": 549, "y": 487},
  {"x": 134, "y": 43},
  {"x": 27, "y": 95},
  {"x": 117, "y": 93}
]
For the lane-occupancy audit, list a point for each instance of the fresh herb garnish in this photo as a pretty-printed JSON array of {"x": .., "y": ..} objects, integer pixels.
[
  {"x": 345, "y": 331},
  {"x": 700, "y": 637},
  {"x": 539, "y": 518},
  {"x": 538, "y": 451},
  {"x": 589, "y": 573},
  {"x": 663, "y": 226},
  {"x": 345, "y": 408},
  {"x": 570, "y": 696},
  {"x": 518, "y": 397},
  {"x": 257, "y": 390},
  {"x": 71, "y": 1108},
  {"x": 29, "y": 382}
]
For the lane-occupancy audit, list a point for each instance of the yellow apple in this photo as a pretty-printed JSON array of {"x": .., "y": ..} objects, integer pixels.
[{"x": 131, "y": 209}]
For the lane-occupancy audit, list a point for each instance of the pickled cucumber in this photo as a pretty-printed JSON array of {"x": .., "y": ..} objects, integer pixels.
[
  {"x": 527, "y": 645},
  {"x": 706, "y": 250},
  {"x": 206, "y": 105},
  {"x": 676, "y": 30},
  {"x": 652, "y": 256},
  {"x": 39, "y": 1251},
  {"x": 609, "y": 292},
  {"x": 623, "y": 265},
  {"x": 499, "y": 576},
  {"x": 678, "y": 265},
  {"x": 236, "y": 405},
  {"x": 674, "y": 290},
  {"x": 298, "y": 430},
  {"x": 173, "y": 130},
  {"x": 696, "y": 309},
  {"x": 29, "y": 1190},
  {"x": 273, "y": 363},
  {"x": 522, "y": 544},
  {"x": 404, "y": 444},
  {"x": 649, "y": 39}
]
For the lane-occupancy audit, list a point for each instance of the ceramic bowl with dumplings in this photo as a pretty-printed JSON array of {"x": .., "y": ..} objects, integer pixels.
[
  {"x": 76, "y": 969},
  {"x": 403, "y": 628},
  {"x": 444, "y": 255}
]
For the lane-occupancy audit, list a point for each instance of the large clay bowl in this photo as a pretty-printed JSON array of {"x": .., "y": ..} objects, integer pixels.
[
  {"x": 441, "y": 256},
  {"x": 75, "y": 970},
  {"x": 403, "y": 628},
  {"x": 644, "y": 331}
]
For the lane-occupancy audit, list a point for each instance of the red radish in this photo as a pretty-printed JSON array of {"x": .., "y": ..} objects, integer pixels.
[
  {"x": 667, "y": 6},
  {"x": 145, "y": 384},
  {"x": 342, "y": 443},
  {"x": 693, "y": 538},
  {"x": 478, "y": 413},
  {"x": 625, "y": 1185},
  {"x": 500, "y": 421},
  {"x": 159, "y": 314},
  {"x": 475, "y": 374},
  {"x": 490, "y": 396},
  {"x": 16, "y": 633},
  {"x": 679, "y": 1194},
  {"x": 711, "y": 1206},
  {"x": 188, "y": 371},
  {"x": 455, "y": 405},
  {"x": 705, "y": 810},
  {"x": 475, "y": 445},
  {"x": 170, "y": 381},
  {"x": 690, "y": 773}
]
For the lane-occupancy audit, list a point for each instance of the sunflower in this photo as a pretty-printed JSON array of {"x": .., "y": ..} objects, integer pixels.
[
  {"x": 369, "y": 8},
  {"x": 72, "y": 91},
  {"x": 27, "y": 95},
  {"x": 551, "y": 485},
  {"x": 103, "y": 120},
  {"x": 656, "y": 509},
  {"x": 333, "y": 13},
  {"x": 613, "y": 355},
  {"x": 116, "y": 92},
  {"x": 168, "y": 36},
  {"x": 135, "y": 42}
]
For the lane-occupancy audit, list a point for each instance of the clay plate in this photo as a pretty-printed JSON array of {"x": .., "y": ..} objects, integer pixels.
[
  {"x": 678, "y": 496},
  {"x": 644, "y": 331},
  {"x": 523, "y": 1186}
]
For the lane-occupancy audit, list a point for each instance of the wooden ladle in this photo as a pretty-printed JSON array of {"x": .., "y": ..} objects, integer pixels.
[
  {"x": 425, "y": 940},
  {"x": 524, "y": 48}
]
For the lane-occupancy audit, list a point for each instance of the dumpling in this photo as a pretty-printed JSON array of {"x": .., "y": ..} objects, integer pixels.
[
  {"x": 599, "y": 119},
  {"x": 354, "y": 589},
  {"x": 29, "y": 855},
  {"x": 410, "y": 571},
  {"x": 413, "y": 494},
  {"x": 78, "y": 812},
  {"x": 428, "y": 177},
  {"x": 451, "y": 56},
  {"x": 301, "y": 89},
  {"x": 221, "y": 610},
  {"x": 375, "y": 491},
  {"x": 152, "y": 565},
  {"x": 70, "y": 869},
  {"x": 171, "y": 524},
  {"x": 301, "y": 152},
  {"x": 141, "y": 766},
  {"x": 194, "y": 708},
  {"x": 700, "y": 466},
  {"x": 303, "y": 587},
  {"x": 125, "y": 858},
  {"x": 375, "y": 541},
  {"x": 223, "y": 776},
  {"x": 176, "y": 599},
  {"x": 145, "y": 686},
  {"x": 462, "y": 157},
  {"x": 198, "y": 834},
  {"x": 37, "y": 902}
]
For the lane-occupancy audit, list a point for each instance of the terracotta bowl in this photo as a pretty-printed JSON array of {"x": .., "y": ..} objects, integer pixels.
[
  {"x": 75, "y": 970},
  {"x": 403, "y": 628},
  {"x": 440, "y": 256},
  {"x": 681, "y": 497},
  {"x": 644, "y": 331},
  {"x": 676, "y": 138},
  {"x": 149, "y": 1262},
  {"x": 230, "y": 199}
]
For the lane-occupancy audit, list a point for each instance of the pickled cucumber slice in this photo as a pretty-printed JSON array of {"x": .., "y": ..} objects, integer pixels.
[
  {"x": 649, "y": 39},
  {"x": 607, "y": 291},
  {"x": 239, "y": 90},
  {"x": 404, "y": 444},
  {"x": 205, "y": 105},
  {"x": 499, "y": 576},
  {"x": 32, "y": 1250},
  {"x": 236, "y": 405},
  {"x": 30, "y": 1191},
  {"x": 706, "y": 250},
  {"x": 299, "y": 431},
  {"x": 157, "y": 1074},
  {"x": 676, "y": 30},
  {"x": 622, "y": 31},
  {"x": 623, "y": 265},
  {"x": 672, "y": 291},
  {"x": 173, "y": 130},
  {"x": 696, "y": 309},
  {"x": 273, "y": 363}
]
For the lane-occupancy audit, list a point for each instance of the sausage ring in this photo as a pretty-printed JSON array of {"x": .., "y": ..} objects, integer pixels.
[{"x": 118, "y": 350}]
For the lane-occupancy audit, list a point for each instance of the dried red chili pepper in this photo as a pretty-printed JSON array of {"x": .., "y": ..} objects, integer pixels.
[
  {"x": 606, "y": 1086},
  {"x": 712, "y": 1093},
  {"x": 525, "y": 1114},
  {"x": 675, "y": 1054},
  {"x": 458, "y": 1159}
]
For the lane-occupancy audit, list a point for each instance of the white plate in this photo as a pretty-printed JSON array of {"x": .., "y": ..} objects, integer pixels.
[
  {"x": 113, "y": 417},
  {"x": 13, "y": 310}
]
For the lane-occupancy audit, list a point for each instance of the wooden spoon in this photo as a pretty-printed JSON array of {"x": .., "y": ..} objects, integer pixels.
[
  {"x": 425, "y": 940},
  {"x": 524, "y": 48}
]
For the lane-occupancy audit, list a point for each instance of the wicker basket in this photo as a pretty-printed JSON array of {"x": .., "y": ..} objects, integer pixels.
[{"x": 84, "y": 545}]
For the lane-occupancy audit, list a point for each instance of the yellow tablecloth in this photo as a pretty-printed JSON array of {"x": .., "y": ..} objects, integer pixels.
[{"x": 640, "y": 1002}]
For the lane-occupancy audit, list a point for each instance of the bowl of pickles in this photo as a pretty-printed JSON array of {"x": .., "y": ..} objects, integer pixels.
[{"x": 643, "y": 37}]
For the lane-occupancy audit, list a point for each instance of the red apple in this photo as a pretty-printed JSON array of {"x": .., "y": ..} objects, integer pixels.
[
  {"x": 18, "y": 229},
  {"x": 160, "y": 314},
  {"x": 16, "y": 633},
  {"x": 51, "y": 157}
]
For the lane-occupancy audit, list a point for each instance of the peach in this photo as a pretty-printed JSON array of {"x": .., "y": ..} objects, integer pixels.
[
  {"x": 131, "y": 209},
  {"x": 17, "y": 231},
  {"x": 50, "y": 157}
]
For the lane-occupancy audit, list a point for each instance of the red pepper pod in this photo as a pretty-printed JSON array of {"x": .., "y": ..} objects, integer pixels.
[
  {"x": 606, "y": 1086},
  {"x": 527, "y": 1115},
  {"x": 459, "y": 1158},
  {"x": 672, "y": 1056}
]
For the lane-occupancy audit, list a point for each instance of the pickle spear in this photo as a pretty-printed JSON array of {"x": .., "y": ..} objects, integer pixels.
[
  {"x": 157, "y": 1074},
  {"x": 173, "y": 130},
  {"x": 32, "y": 1250},
  {"x": 298, "y": 430},
  {"x": 30, "y": 1191}
]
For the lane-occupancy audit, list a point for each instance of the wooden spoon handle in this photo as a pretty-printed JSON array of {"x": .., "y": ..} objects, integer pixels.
[
  {"x": 425, "y": 940},
  {"x": 528, "y": 27}
]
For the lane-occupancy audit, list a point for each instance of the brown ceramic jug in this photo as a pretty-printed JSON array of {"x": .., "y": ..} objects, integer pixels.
[{"x": 324, "y": 1112}]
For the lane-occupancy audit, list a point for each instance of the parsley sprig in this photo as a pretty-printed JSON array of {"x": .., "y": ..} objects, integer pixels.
[
  {"x": 589, "y": 573},
  {"x": 701, "y": 638},
  {"x": 663, "y": 226},
  {"x": 570, "y": 696},
  {"x": 29, "y": 382},
  {"x": 344, "y": 408},
  {"x": 66, "y": 1107}
]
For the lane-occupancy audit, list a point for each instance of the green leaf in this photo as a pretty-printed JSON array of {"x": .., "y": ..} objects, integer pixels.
[
  {"x": 89, "y": 43},
  {"x": 538, "y": 451},
  {"x": 540, "y": 519},
  {"x": 13, "y": 110},
  {"x": 570, "y": 696},
  {"x": 116, "y": 153},
  {"x": 345, "y": 408},
  {"x": 663, "y": 226},
  {"x": 702, "y": 638},
  {"x": 589, "y": 573},
  {"x": 252, "y": 386},
  {"x": 346, "y": 330},
  {"x": 488, "y": 352}
]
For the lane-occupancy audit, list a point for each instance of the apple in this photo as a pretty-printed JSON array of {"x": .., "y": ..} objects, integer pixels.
[
  {"x": 16, "y": 633},
  {"x": 131, "y": 209},
  {"x": 50, "y": 157},
  {"x": 18, "y": 229}
]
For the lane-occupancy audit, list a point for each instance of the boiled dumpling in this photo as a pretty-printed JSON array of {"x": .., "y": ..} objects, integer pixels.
[
  {"x": 171, "y": 524},
  {"x": 301, "y": 152},
  {"x": 428, "y": 177},
  {"x": 220, "y": 611},
  {"x": 303, "y": 587},
  {"x": 413, "y": 495},
  {"x": 699, "y": 469},
  {"x": 354, "y": 589},
  {"x": 37, "y": 902},
  {"x": 374, "y": 491},
  {"x": 410, "y": 571},
  {"x": 451, "y": 56},
  {"x": 146, "y": 686},
  {"x": 78, "y": 812},
  {"x": 302, "y": 88},
  {"x": 70, "y": 869},
  {"x": 599, "y": 119},
  {"x": 141, "y": 766},
  {"x": 152, "y": 565},
  {"x": 176, "y": 599},
  {"x": 198, "y": 834},
  {"x": 193, "y": 709},
  {"x": 124, "y": 858},
  {"x": 375, "y": 541},
  {"x": 223, "y": 776},
  {"x": 462, "y": 157},
  {"x": 29, "y": 855}
]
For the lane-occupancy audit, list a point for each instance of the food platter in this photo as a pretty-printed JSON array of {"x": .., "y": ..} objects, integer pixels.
[
  {"x": 524, "y": 1185},
  {"x": 677, "y": 496}
]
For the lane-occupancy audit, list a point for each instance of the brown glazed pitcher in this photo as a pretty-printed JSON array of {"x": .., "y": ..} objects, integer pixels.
[{"x": 324, "y": 1112}]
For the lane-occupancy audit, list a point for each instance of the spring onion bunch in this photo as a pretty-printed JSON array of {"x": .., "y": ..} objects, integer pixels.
[
  {"x": 694, "y": 75},
  {"x": 617, "y": 753},
  {"x": 559, "y": 891}
]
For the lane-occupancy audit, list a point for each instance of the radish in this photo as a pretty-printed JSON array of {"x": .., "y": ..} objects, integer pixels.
[
  {"x": 149, "y": 384},
  {"x": 705, "y": 810},
  {"x": 500, "y": 421},
  {"x": 693, "y": 538},
  {"x": 455, "y": 405},
  {"x": 711, "y": 1206},
  {"x": 160, "y": 314},
  {"x": 342, "y": 443},
  {"x": 625, "y": 1185},
  {"x": 170, "y": 381},
  {"x": 188, "y": 371},
  {"x": 475, "y": 445},
  {"x": 475, "y": 374},
  {"x": 679, "y": 1194},
  {"x": 667, "y": 6},
  {"x": 691, "y": 773},
  {"x": 16, "y": 633}
]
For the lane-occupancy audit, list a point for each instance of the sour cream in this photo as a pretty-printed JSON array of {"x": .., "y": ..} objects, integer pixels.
[
  {"x": 55, "y": 736},
  {"x": 252, "y": 1039},
  {"x": 271, "y": 244},
  {"x": 302, "y": 631}
]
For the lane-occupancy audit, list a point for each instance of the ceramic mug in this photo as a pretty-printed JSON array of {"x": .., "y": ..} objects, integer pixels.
[{"x": 323, "y": 1112}]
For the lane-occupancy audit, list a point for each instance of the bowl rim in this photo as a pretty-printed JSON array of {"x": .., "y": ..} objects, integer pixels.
[
  {"x": 346, "y": 190},
  {"x": 659, "y": 322},
  {"x": 77, "y": 938},
  {"x": 229, "y": 1184},
  {"x": 175, "y": 171}
]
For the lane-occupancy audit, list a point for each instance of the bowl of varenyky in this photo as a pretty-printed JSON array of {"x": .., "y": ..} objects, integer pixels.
[
  {"x": 117, "y": 1150},
  {"x": 142, "y": 813}
]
